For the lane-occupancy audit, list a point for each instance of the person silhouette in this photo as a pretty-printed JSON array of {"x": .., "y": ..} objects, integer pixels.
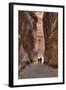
[{"x": 39, "y": 60}]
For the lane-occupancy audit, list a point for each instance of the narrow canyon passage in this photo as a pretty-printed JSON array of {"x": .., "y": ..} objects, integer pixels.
[{"x": 38, "y": 44}]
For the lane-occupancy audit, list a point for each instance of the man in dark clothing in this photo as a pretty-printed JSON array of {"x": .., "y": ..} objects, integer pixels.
[{"x": 40, "y": 60}]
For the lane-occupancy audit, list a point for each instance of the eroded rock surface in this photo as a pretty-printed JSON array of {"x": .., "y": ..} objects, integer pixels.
[{"x": 50, "y": 25}]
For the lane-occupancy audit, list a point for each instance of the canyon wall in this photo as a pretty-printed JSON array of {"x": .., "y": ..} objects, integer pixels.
[
  {"x": 27, "y": 34},
  {"x": 50, "y": 27}
]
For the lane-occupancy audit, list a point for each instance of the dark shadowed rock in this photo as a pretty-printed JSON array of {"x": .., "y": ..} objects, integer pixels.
[{"x": 50, "y": 25}]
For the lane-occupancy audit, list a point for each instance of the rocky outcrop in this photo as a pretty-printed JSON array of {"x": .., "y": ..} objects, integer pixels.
[
  {"x": 27, "y": 31},
  {"x": 50, "y": 25}
]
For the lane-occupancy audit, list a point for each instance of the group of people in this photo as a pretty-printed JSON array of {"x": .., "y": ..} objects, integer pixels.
[{"x": 39, "y": 60}]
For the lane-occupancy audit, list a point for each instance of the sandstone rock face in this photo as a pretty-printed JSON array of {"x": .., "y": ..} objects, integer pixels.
[
  {"x": 50, "y": 25},
  {"x": 27, "y": 30}
]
